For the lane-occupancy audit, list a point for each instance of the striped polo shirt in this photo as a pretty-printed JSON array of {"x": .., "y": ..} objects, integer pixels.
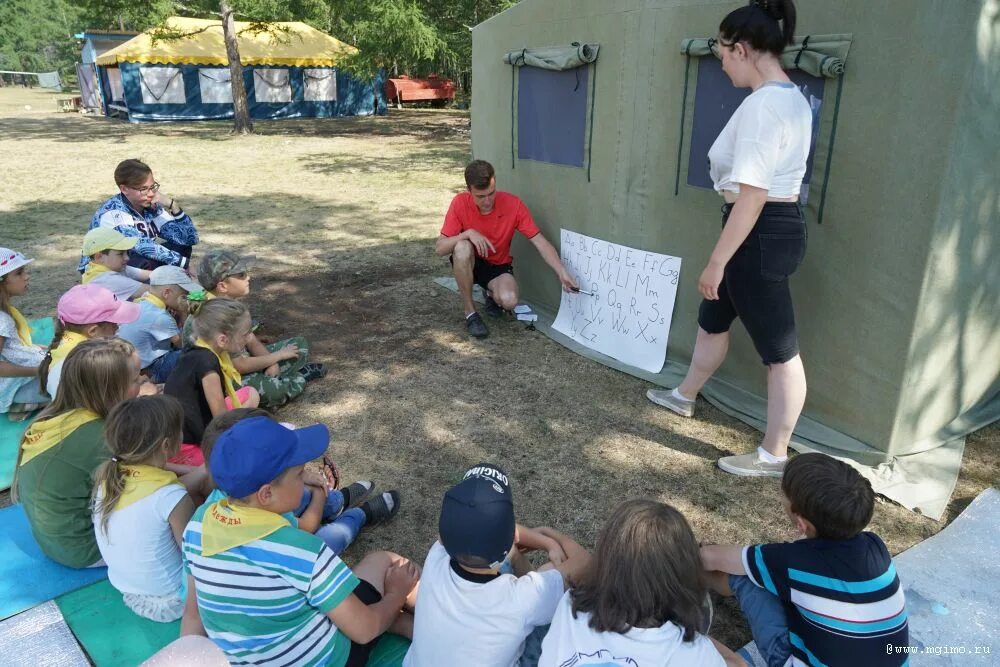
[
  {"x": 843, "y": 600},
  {"x": 265, "y": 603}
]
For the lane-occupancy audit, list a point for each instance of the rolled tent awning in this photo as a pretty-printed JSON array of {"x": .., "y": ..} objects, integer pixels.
[
  {"x": 818, "y": 55},
  {"x": 556, "y": 58},
  {"x": 200, "y": 42}
]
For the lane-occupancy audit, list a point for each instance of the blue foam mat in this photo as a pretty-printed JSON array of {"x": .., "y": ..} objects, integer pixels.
[
  {"x": 42, "y": 331},
  {"x": 27, "y": 576}
]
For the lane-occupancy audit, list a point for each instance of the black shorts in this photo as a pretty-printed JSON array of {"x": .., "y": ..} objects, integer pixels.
[
  {"x": 483, "y": 272},
  {"x": 754, "y": 287},
  {"x": 360, "y": 652}
]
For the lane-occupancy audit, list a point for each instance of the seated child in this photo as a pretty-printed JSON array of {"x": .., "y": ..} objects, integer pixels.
[
  {"x": 140, "y": 509},
  {"x": 204, "y": 379},
  {"x": 268, "y": 592},
  {"x": 64, "y": 446},
  {"x": 155, "y": 333},
  {"x": 85, "y": 311},
  {"x": 334, "y": 515},
  {"x": 468, "y": 612},
  {"x": 831, "y": 597},
  {"x": 20, "y": 390},
  {"x": 107, "y": 249},
  {"x": 277, "y": 375},
  {"x": 642, "y": 596}
]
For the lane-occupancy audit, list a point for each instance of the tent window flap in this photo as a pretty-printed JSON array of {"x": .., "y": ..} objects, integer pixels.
[
  {"x": 215, "y": 85},
  {"x": 272, "y": 85},
  {"x": 320, "y": 85},
  {"x": 161, "y": 85}
]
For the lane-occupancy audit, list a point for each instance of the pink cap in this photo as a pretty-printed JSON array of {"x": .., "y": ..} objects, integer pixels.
[{"x": 91, "y": 304}]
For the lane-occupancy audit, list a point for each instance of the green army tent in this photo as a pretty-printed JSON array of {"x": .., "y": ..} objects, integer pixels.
[{"x": 599, "y": 115}]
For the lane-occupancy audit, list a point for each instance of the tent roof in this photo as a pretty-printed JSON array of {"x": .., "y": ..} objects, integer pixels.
[{"x": 300, "y": 45}]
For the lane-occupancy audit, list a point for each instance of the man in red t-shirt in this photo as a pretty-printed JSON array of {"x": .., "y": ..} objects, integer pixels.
[{"x": 477, "y": 232}]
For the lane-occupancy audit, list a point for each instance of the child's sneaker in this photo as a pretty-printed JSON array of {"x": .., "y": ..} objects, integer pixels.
[
  {"x": 381, "y": 508},
  {"x": 672, "y": 400},
  {"x": 312, "y": 371},
  {"x": 751, "y": 465}
]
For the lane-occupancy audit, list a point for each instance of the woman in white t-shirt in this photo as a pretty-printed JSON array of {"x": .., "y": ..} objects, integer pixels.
[
  {"x": 641, "y": 600},
  {"x": 757, "y": 162}
]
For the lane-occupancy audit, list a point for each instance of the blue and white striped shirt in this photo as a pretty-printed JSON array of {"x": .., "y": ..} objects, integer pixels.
[
  {"x": 148, "y": 225},
  {"x": 843, "y": 600}
]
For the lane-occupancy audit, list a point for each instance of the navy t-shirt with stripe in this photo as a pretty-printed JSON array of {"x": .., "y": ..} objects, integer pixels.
[{"x": 843, "y": 599}]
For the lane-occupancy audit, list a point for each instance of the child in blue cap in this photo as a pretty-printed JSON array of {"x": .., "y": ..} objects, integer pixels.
[
  {"x": 471, "y": 610},
  {"x": 267, "y": 592}
]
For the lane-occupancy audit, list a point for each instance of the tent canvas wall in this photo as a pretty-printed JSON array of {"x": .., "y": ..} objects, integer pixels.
[
  {"x": 898, "y": 301},
  {"x": 290, "y": 72}
]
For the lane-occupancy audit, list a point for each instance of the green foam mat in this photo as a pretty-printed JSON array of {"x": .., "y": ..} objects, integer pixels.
[
  {"x": 110, "y": 632},
  {"x": 389, "y": 652},
  {"x": 42, "y": 331}
]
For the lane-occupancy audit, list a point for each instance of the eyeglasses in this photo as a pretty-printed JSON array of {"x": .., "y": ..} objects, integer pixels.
[
  {"x": 715, "y": 46},
  {"x": 155, "y": 187}
]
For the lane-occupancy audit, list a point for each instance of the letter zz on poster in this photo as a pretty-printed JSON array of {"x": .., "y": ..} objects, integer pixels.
[{"x": 627, "y": 315}]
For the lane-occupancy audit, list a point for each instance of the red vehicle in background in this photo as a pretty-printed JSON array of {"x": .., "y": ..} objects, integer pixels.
[{"x": 433, "y": 89}]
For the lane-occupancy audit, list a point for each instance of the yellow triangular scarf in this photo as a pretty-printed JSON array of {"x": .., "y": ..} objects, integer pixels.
[
  {"x": 21, "y": 323},
  {"x": 142, "y": 481},
  {"x": 92, "y": 271},
  {"x": 231, "y": 380},
  {"x": 46, "y": 434},
  {"x": 69, "y": 340},
  {"x": 153, "y": 299},
  {"x": 226, "y": 526}
]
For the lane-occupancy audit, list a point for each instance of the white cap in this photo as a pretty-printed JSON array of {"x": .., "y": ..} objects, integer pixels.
[
  {"x": 174, "y": 275},
  {"x": 11, "y": 260}
]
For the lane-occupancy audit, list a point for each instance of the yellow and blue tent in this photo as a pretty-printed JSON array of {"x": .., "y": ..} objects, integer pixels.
[{"x": 180, "y": 71}]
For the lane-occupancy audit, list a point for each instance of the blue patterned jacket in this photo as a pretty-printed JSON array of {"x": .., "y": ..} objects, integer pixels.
[{"x": 152, "y": 223}]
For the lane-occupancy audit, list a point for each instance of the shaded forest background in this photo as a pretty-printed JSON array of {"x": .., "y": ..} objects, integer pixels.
[{"x": 415, "y": 37}]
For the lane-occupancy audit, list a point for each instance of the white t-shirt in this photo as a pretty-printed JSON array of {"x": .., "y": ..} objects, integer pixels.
[
  {"x": 571, "y": 641},
  {"x": 54, "y": 376},
  {"x": 463, "y": 622},
  {"x": 765, "y": 144},
  {"x": 139, "y": 547},
  {"x": 123, "y": 286}
]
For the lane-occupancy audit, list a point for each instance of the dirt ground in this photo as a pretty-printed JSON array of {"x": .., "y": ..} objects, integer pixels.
[{"x": 342, "y": 215}]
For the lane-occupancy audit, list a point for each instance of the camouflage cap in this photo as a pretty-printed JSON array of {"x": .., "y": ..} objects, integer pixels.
[{"x": 218, "y": 265}]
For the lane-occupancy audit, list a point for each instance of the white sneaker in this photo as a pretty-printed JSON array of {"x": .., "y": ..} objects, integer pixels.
[
  {"x": 751, "y": 465},
  {"x": 671, "y": 401}
]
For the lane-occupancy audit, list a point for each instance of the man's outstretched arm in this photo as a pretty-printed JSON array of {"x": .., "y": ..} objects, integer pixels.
[{"x": 551, "y": 257}]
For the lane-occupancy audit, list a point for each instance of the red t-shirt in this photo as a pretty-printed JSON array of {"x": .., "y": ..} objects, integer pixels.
[{"x": 509, "y": 214}]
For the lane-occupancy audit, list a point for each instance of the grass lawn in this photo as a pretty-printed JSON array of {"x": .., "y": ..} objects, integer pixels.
[{"x": 342, "y": 215}]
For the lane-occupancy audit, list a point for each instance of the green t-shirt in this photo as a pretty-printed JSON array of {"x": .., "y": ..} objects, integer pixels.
[{"x": 55, "y": 487}]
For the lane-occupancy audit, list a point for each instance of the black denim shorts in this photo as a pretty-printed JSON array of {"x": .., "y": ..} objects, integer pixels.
[
  {"x": 754, "y": 287},
  {"x": 483, "y": 272}
]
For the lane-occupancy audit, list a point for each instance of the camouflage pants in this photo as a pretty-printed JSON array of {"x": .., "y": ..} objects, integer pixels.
[{"x": 288, "y": 383}]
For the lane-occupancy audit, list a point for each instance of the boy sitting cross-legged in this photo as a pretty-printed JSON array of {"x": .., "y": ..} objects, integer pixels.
[
  {"x": 270, "y": 593},
  {"x": 156, "y": 336},
  {"x": 278, "y": 371},
  {"x": 829, "y": 598},
  {"x": 471, "y": 610},
  {"x": 107, "y": 250}
]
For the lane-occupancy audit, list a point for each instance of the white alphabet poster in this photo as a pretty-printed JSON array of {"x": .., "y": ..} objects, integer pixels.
[{"x": 627, "y": 313}]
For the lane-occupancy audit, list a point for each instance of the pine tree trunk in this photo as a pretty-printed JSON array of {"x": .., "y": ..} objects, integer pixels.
[{"x": 241, "y": 111}]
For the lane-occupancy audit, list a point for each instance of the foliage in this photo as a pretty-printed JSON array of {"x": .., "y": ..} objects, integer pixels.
[{"x": 37, "y": 35}]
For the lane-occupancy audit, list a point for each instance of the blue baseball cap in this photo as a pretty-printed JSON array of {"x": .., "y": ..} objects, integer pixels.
[
  {"x": 253, "y": 452},
  {"x": 477, "y": 518}
]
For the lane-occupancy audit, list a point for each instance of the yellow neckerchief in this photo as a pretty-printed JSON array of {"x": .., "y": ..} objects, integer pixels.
[
  {"x": 92, "y": 271},
  {"x": 231, "y": 378},
  {"x": 69, "y": 340},
  {"x": 21, "y": 323},
  {"x": 44, "y": 435},
  {"x": 153, "y": 299},
  {"x": 142, "y": 481},
  {"x": 226, "y": 526}
]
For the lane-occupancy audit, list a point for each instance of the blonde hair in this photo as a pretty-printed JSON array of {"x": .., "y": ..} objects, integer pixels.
[
  {"x": 61, "y": 329},
  {"x": 218, "y": 316},
  {"x": 95, "y": 376},
  {"x": 135, "y": 431}
]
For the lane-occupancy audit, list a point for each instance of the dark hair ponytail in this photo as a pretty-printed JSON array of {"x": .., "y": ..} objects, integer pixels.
[{"x": 766, "y": 25}]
